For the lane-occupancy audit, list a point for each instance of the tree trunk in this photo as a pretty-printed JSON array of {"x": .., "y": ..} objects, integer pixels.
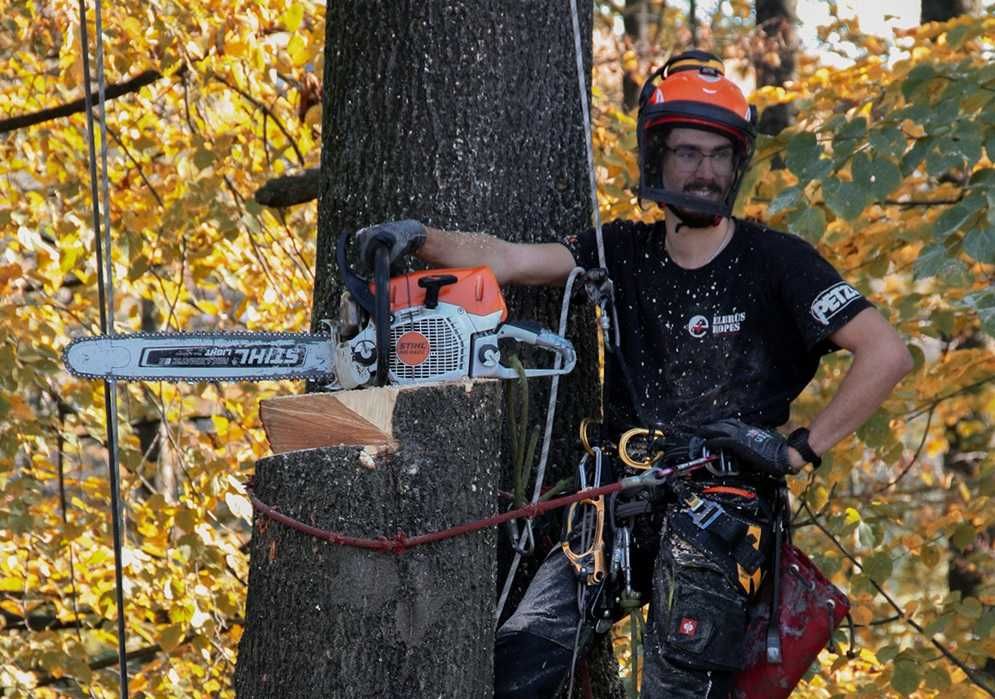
[
  {"x": 324, "y": 620},
  {"x": 943, "y": 10},
  {"x": 775, "y": 63},
  {"x": 466, "y": 116}
]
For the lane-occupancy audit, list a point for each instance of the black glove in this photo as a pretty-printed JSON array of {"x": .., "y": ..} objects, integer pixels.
[
  {"x": 764, "y": 450},
  {"x": 402, "y": 237}
]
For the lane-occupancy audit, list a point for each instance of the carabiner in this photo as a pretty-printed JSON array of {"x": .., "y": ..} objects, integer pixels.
[
  {"x": 585, "y": 440},
  {"x": 630, "y": 461}
]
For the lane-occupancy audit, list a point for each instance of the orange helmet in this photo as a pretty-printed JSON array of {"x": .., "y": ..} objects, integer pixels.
[{"x": 693, "y": 93}]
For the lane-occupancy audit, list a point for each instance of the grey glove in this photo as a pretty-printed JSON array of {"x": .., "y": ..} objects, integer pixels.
[
  {"x": 764, "y": 450},
  {"x": 402, "y": 237}
]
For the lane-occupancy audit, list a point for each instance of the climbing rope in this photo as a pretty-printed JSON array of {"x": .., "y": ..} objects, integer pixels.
[
  {"x": 105, "y": 290},
  {"x": 400, "y": 542}
]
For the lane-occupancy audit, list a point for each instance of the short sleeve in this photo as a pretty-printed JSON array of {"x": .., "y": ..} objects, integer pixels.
[
  {"x": 818, "y": 299},
  {"x": 583, "y": 247}
]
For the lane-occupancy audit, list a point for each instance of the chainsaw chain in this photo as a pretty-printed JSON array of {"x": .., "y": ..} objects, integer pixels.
[{"x": 206, "y": 335}]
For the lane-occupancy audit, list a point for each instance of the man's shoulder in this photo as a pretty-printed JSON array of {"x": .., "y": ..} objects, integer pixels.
[{"x": 768, "y": 239}]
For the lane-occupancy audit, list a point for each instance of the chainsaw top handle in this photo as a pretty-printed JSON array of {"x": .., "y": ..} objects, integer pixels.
[
  {"x": 377, "y": 304},
  {"x": 357, "y": 286},
  {"x": 381, "y": 316}
]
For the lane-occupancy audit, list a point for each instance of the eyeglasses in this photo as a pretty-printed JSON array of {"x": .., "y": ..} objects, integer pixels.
[{"x": 688, "y": 159}]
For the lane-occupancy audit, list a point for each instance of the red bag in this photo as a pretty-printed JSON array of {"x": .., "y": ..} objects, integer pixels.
[{"x": 809, "y": 609}]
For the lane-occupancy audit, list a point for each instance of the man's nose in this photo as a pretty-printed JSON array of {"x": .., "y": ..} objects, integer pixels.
[{"x": 705, "y": 165}]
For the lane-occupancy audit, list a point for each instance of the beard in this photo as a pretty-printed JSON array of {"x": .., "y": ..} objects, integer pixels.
[{"x": 692, "y": 218}]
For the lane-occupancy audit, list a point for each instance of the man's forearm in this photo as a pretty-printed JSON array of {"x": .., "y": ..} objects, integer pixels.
[
  {"x": 869, "y": 381},
  {"x": 512, "y": 263},
  {"x": 455, "y": 249}
]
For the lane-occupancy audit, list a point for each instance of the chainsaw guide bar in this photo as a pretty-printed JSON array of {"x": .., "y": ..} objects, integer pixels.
[{"x": 202, "y": 356}]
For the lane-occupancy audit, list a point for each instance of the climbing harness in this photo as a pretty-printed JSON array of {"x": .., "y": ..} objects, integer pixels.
[{"x": 105, "y": 288}]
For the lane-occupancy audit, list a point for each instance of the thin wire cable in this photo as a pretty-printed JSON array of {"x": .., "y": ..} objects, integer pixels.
[
  {"x": 586, "y": 113},
  {"x": 106, "y": 319},
  {"x": 547, "y": 438}
]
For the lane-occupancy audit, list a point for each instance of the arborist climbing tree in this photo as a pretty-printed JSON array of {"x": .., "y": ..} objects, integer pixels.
[{"x": 716, "y": 324}]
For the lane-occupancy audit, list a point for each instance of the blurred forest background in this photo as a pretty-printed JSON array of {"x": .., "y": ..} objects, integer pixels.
[{"x": 878, "y": 149}]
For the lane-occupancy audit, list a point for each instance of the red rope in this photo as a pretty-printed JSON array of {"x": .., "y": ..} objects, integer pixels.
[{"x": 400, "y": 542}]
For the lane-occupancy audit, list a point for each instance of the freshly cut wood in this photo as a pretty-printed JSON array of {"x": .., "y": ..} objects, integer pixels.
[
  {"x": 361, "y": 418},
  {"x": 344, "y": 418}
]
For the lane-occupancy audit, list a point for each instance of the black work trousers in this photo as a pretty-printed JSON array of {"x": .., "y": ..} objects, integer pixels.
[{"x": 695, "y": 632}]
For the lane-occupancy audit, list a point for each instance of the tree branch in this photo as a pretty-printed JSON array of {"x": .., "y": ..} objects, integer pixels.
[
  {"x": 133, "y": 85},
  {"x": 972, "y": 674},
  {"x": 288, "y": 190}
]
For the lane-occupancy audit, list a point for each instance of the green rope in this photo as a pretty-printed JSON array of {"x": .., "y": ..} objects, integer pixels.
[
  {"x": 523, "y": 443},
  {"x": 636, "y": 629}
]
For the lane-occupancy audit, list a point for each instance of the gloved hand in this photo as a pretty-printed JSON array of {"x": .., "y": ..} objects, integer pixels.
[
  {"x": 402, "y": 237},
  {"x": 764, "y": 450}
]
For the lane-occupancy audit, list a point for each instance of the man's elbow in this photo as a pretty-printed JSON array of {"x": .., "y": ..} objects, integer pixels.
[{"x": 896, "y": 359}]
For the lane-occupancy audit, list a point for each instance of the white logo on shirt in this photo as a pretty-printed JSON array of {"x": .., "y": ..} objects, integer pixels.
[
  {"x": 730, "y": 323},
  {"x": 698, "y": 326},
  {"x": 720, "y": 324},
  {"x": 832, "y": 301}
]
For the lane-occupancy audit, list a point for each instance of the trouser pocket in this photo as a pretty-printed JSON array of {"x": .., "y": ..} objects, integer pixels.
[{"x": 705, "y": 622}]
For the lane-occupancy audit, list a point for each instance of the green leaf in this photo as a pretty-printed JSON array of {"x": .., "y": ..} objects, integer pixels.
[
  {"x": 846, "y": 199},
  {"x": 971, "y": 608},
  {"x": 916, "y": 78},
  {"x": 916, "y": 154},
  {"x": 979, "y": 243},
  {"x": 851, "y": 131},
  {"x": 937, "y": 678},
  {"x": 983, "y": 303},
  {"x": 880, "y": 176},
  {"x": 808, "y": 222},
  {"x": 941, "y": 159},
  {"x": 985, "y": 624},
  {"x": 865, "y": 536},
  {"x": 939, "y": 624},
  {"x": 786, "y": 199},
  {"x": 887, "y": 653},
  {"x": 878, "y": 567},
  {"x": 876, "y": 431},
  {"x": 888, "y": 141},
  {"x": 963, "y": 536},
  {"x": 966, "y": 141},
  {"x": 905, "y": 679},
  {"x": 954, "y": 218},
  {"x": 203, "y": 158},
  {"x": 804, "y": 158},
  {"x": 990, "y": 143}
]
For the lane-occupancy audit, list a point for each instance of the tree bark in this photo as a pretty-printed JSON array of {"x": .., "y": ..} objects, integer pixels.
[
  {"x": 943, "y": 10},
  {"x": 331, "y": 621},
  {"x": 466, "y": 116},
  {"x": 775, "y": 63}
]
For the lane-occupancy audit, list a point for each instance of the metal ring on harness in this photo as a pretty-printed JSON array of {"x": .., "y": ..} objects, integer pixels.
[
  {"x": 629, "y": 460},
  {"x": 585, "y": 441},
  {"x": 589, "y": 564}
]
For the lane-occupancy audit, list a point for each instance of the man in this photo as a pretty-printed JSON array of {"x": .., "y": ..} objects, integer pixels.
[{"x": 722, "y": 324}]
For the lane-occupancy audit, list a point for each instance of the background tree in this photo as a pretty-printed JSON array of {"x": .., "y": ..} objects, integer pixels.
[{"x": 775, "y": 63}]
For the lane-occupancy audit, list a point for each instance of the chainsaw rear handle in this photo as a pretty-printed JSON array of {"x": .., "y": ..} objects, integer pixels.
[{"x": 487, "y": 353}]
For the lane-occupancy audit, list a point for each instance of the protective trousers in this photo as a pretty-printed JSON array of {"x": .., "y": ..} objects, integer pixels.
[{"x": 695, "y": 631}]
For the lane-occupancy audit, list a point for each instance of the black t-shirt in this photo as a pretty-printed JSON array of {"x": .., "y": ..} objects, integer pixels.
[{"x": 739, "y": 337}]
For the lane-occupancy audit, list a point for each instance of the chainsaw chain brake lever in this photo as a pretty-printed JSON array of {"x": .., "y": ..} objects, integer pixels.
[{"x": 487, "y": 354}]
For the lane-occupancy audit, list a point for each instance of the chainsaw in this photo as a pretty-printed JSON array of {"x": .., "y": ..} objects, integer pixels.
[{"x": 435, "y": 325}]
